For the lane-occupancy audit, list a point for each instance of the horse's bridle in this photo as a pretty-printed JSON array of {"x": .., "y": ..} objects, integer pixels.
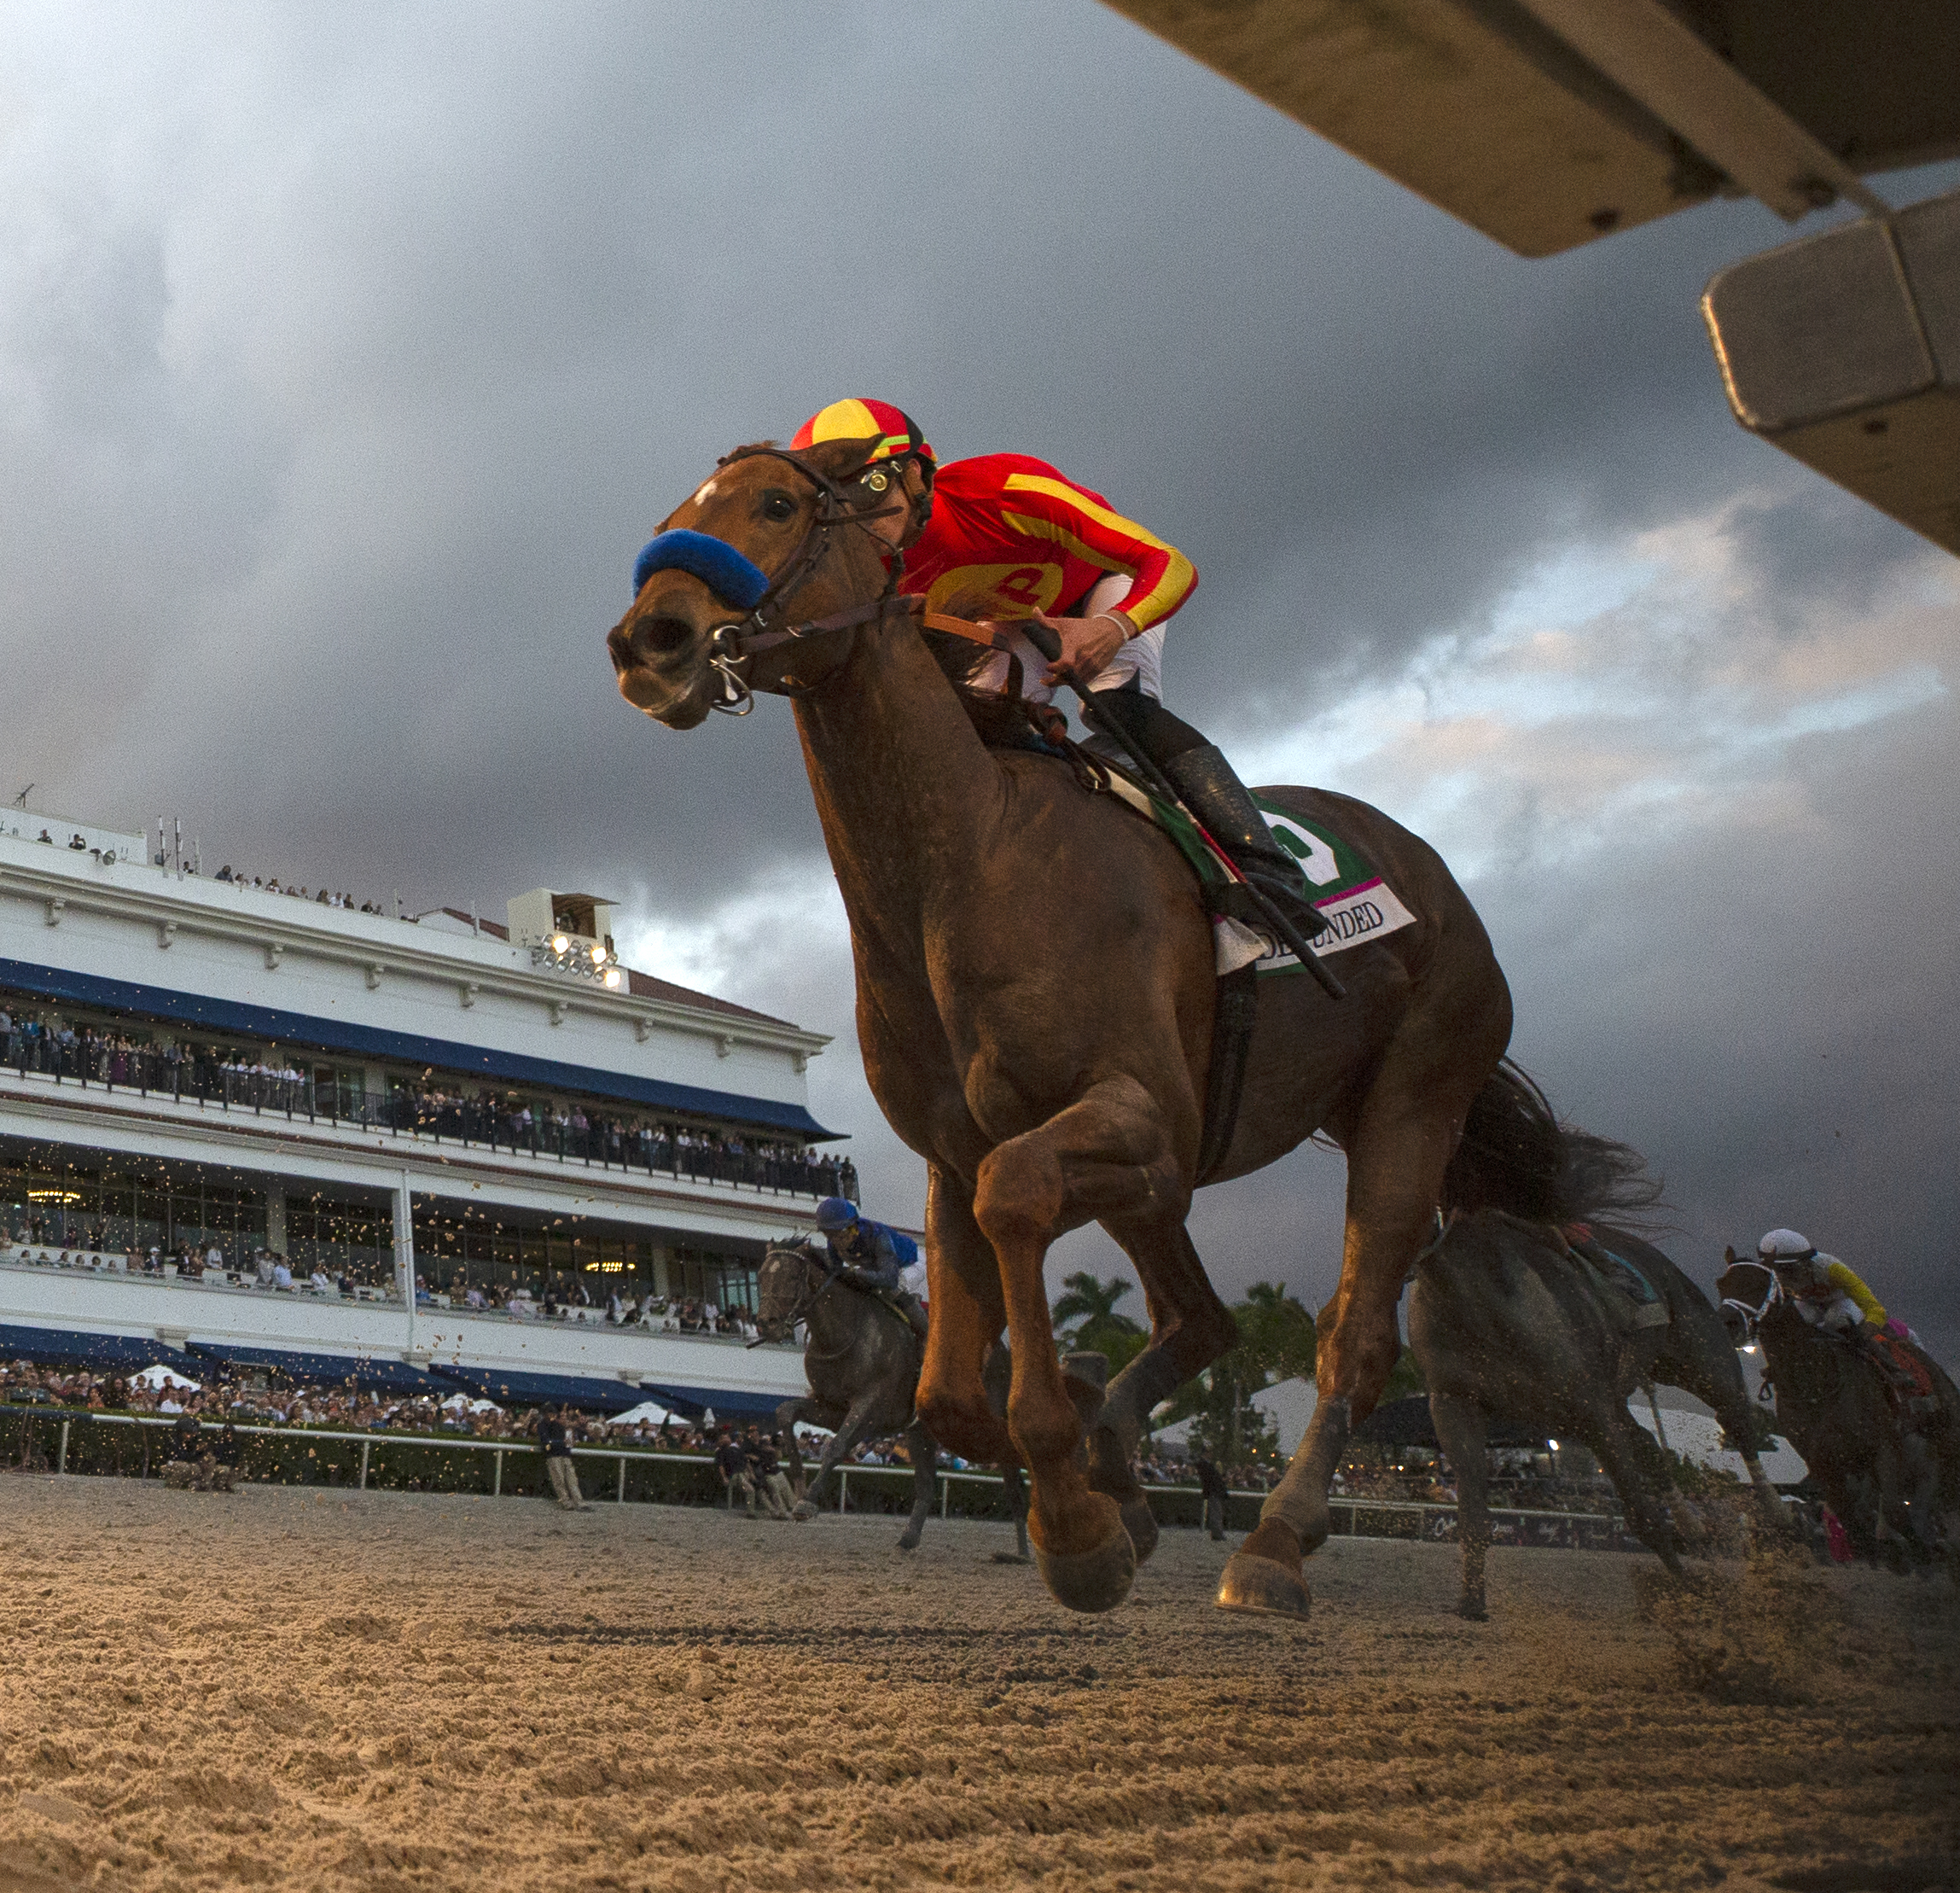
[
  {"x": 807, "y": 1298},
  {"x": 732, "y": 646}
]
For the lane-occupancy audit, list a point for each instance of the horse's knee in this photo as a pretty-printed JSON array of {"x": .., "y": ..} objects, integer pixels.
[{"x": 1019, "y": 1193}]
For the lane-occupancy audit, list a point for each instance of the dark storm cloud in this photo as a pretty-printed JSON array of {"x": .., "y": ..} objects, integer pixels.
[
  {"x": 418, "y": 331},
  {"x": 349, "y": 356}
]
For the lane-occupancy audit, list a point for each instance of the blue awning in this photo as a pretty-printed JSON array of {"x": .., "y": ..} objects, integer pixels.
[
  {"x": 729, "y": 1403},
  {"x": 508, "y": 1386},
  {"x": 302, "y": 1028},
  {"x": 396, "y": 1376},
  {"x": 100, "y": 1353}
]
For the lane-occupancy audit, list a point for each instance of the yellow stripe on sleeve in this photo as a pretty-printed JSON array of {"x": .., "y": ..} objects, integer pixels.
[
  {"x": 1071, "y": 496},
  {"x": 1164, "y": 596},
  {"x": 1033, "y": 529}
]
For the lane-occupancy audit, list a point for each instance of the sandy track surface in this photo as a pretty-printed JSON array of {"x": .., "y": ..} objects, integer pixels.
[{"x": 286, "y": 1688}]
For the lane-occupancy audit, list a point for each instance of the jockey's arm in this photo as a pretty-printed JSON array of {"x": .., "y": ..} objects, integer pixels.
[
  {"x": 1844, "y": 1279},
  {"x": 1160, "y": 578}
]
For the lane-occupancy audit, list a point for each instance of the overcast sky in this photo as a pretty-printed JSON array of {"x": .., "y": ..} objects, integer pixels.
[{"x": 348, "y": 355}]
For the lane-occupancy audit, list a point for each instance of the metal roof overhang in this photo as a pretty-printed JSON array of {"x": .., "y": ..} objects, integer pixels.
[
  {"x": 63, "y": 1347},
  {"x": 395, "y": 1376},
  {"x": 1844, "y": 350},
  {"x": 1547, "y": 124},
  {"x": 299, "y": 1028}
]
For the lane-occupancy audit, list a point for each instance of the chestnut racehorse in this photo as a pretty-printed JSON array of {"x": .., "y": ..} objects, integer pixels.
[{"x": 1035, "y": 977}]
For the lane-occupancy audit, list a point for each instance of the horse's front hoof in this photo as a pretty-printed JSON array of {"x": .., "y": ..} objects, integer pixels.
[
  {"x": 1141, "y": 1524},
  {"x": 909, "y": 1542},
  {"x": 1259, "y": 1587},
  {"x": 804, "y": 1512},
  {"x": 1090, "y": 1581},
  {"x": 1472, "y": 1608},
  {"x": 1010, "y": 1557}
]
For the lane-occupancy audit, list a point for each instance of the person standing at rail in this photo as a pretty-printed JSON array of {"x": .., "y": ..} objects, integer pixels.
[{"x": 555, "y": 1439}]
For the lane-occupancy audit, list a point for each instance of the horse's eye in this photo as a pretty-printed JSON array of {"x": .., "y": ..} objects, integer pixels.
[{"x": 779, "y": 507}]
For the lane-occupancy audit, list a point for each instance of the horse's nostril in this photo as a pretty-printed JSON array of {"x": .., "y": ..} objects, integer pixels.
[{"x": 663, "y": 636}]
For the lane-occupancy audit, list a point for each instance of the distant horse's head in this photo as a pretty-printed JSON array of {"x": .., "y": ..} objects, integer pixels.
[
  {"x": 728, "y": 594},
  {"x": 790, "y": 1278},
  {"x": 1749, "y": 1291}
]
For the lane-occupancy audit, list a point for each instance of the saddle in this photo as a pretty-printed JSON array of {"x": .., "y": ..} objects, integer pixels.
[
  {"x": 1620, "y": 1278},
  {"x": 1357, "y": 903}
]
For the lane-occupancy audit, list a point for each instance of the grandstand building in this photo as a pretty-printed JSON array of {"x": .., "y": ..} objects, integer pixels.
[{"x": 430, "y": 1151}]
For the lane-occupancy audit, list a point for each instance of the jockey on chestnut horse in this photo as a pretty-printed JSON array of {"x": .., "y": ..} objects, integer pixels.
[{"x": 1036, "y": 969}]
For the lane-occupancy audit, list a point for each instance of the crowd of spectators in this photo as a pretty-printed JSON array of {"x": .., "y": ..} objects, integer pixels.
[
  {"x": 324, "y": 898},
  {"x": 265, "y": 1078},
  {"x": 245, "y": 1397},
  {"x": 558, "y": 1296},
  {"x": 78, "y": 844}
]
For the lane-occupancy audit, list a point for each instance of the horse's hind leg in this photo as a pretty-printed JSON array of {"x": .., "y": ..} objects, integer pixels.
[
  {"x": 1630, "y": 1458},
  {"x": 1460, "y": 1429},
  {"x": 1405, "y": 1132},
  {"x": 1189, "y": 1328},
  {"x": 924, "y": 1451}
]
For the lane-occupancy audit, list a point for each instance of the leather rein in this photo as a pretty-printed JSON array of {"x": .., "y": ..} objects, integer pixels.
[{"x": 732, "y": 646}]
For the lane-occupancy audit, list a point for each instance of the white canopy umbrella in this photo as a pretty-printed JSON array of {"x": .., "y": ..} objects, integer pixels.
[
  {"x": 161, "y": 1376},
  {"x": 646, "y": 1413}
]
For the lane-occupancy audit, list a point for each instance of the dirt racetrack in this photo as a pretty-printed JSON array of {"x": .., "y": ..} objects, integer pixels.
[{"x": 285, "y": 1688}]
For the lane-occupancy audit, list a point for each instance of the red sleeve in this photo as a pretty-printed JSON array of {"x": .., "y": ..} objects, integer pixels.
[{"x": 1038, "y": 503}]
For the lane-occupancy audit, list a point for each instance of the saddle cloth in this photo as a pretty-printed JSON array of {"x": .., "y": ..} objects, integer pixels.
[
  {"x": 1359, "y": 905},
  {"x": 1623, "y": 1278}
]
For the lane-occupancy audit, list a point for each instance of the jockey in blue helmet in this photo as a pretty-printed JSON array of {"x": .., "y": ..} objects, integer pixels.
[{"x": 866, "y": 1253}]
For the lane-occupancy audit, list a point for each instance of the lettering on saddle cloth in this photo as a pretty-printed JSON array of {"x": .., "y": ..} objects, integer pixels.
[
  {"x": 1357, "y": 903},
  {"x": 1648, "y": 1307}
]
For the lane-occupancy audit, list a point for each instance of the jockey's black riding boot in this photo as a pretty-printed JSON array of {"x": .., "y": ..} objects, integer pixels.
[
  {"x": 1213, "y": 792},
  {"x": 1210, "y": 788}
]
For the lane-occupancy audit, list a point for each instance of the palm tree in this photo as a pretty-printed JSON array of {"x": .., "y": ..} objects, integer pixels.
[{"x": 1085, "y": 1317}]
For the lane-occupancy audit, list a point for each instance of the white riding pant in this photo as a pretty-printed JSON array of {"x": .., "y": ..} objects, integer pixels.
[{"x": 1141, "y": 657}]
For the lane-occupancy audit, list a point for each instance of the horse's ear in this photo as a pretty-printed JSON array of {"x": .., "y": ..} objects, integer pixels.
[
  {"x": 834, "y": 459},
  {"x": 1728, "y": 1255}
]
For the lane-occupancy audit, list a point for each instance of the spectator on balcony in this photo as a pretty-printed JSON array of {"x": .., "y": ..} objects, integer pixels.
[{"x": 281, "y": 1275}]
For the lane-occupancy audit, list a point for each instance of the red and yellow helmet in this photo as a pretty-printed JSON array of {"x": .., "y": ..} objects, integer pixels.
[{"x": 894, "y": 430}]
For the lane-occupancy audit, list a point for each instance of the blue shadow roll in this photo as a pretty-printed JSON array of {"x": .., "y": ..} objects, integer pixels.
[{"x": 714, "y": 561}]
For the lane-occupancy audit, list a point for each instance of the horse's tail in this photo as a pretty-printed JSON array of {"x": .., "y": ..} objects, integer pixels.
[{"x": 1516, "y": 1157}]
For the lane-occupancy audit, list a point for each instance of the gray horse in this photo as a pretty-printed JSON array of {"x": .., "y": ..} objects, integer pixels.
[
  {"x": 1510, "y": 1319},
  {"x": 861, "y": 1360}
]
